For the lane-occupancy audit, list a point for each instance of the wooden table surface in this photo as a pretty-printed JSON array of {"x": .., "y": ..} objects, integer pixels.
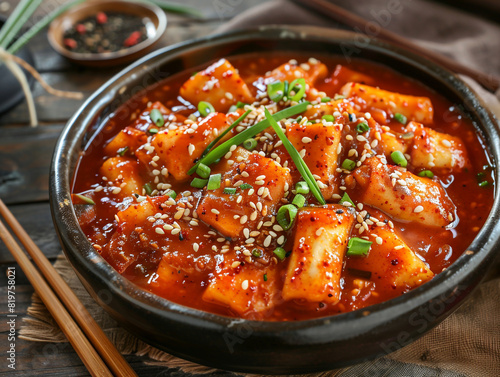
[{"x": 25, "y": 155}]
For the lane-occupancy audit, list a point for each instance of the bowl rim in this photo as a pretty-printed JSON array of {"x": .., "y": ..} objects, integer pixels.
[
  {"x": 154, "y": 9},
  {"x": 64, "y": 215}
]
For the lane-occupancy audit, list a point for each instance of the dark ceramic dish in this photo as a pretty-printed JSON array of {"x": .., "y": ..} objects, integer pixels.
[{"x": 268, "y": 347}]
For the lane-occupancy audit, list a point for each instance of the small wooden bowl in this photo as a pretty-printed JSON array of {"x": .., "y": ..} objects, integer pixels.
[{"x": 68, "y": 19}]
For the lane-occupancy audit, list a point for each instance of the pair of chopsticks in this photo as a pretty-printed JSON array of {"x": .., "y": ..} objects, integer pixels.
[
  {"x": 89, "y": 341},
  {"x": 343, "y": 16}
]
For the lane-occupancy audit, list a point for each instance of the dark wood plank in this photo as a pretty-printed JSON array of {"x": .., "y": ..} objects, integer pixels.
[
  {"x": 37, "y": 221},
  {"x": 26, "y": 154}
]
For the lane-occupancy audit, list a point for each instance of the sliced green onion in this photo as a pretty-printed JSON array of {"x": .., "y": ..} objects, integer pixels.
[
  {"x": 232, "y": 109},
  {"x": 299, "y": 200},
  {"x": 408, "y": 136},
  {"x": 240, "y": 105},
  {"x": 358, "y": 247},
  {"x": 302, "y": 187},
  {"x": 245, "y": 186},
  {"x": 426, "y": 173},
  {"x": 325, "y": 99},
  {"x": 157, "y": 117},
  {"x": 345, "y": 198},
  {"x": 280, "y": 253},
  {"x": 122, "y": 151},
  {"x": 338, "y": 96},
  {"x": 214, "y": 181},
  {"x": 153, "y": 130},
  {"x": 147, "y": 187},
  {"x": 276, "y": 91},
  {"x": 205, "y": 108},
  {"x": 286, "y": 215},
  {"x": 172, "y": 194},
  {"x": 257, "y": 253},
  {"x": 265, "y": 277},
  {"x": 86, "y": 199},
  {"x": 299, "y": 162},
  {"x": 362, "y": 127},
  {"x": 250, "y": 144},
  {"x": 399, "y": 158},
  {"x": 203, "y": 171},
  {"x": 484, "y": 184},
  {"x": 328, "y": 118},
  {"x": 400, "y": 118},
  {"x": 348, "y": 164},
  {"x": 222, "y": 149},
  {"x": 230, "y": 191},
  {"x": 199, "y": 183},
  {"x": 301, "y": 83},
  {"x": 285, "y": 90}
]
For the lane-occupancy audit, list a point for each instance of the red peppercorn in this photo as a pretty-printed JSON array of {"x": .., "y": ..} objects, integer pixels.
[
  {"x": 70, "y": 43},
  {"x": 101, "y": 18},
  {"x": 133, "y": 39},
  {"x": 80, "y": 28}
]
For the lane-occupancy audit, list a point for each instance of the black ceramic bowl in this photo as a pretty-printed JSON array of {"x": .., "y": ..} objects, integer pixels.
[{"x": 267, "y": 347}]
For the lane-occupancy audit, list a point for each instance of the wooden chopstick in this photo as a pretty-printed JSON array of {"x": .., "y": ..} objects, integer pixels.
[
  {"x": 99, "y": 340},
  {"x": 343, "y": 16},
  {"x": 80, "y": 343}
]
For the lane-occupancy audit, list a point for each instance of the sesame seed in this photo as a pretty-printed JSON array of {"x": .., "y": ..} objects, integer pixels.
[
  {"x": 306, "y": 140},
  {"x": 378, "y": 240},
  {"x": 229, "y": 95},
  {"x": 244, "y": 285},
  {"x": 450, "y": 217},
  {"x": 196, "y": 247},
  {"x": 116, "y": 190},
  {"x": 243, "y": 219},
  {"x": 250, "y": 240},
  {"x": 446, "y": 143},
  {"x": 213, "y": 210},
  {"x": 251, "y": 191},
  {"x": 418, "y": 209},
  {"x": 267, "y": 241},
  {"x": 259, "y": 183},
  {"x": 235, "y": 264},
  {"x": 253, "y": 216},
  {"x": 246, "y": 232},
  {"x": 159, "y": 231},
  {"x": 191, "y": 149},
  {"x": 399, "y": 247}
]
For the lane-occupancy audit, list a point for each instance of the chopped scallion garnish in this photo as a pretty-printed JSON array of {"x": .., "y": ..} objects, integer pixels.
[
  {"x": 362, "y": 127},
  {"x": 250, "y": 144},
  {"x": 302, "y": 188},
  {"x": 399, "y": 159},
  {"x": 257, "y": 253},
  {"x": 338, "y": 96},
  {"x": 172, "y": 194},
  {"x": 148, "y": 189},
  {"x": 299, "y": 201},
  {"x": 222, "y": 149},
  {"x": 328, "y": 118},
  {"x": 297, "y": 159},
  {"x": 276, "y": 91},
  {"x": 157, "y": 117},
  {"x": 345, "y": 198},
  {"x": 484, "y": 184},
  {"x": 86, "y": 199},
  {"x": 286, "y": 215},
  {"x": 205, "y": 108},
  {"x": 122, "y": 151},
  {"x": 426, "y": 173},
  {"x": 348, "y": 164},
  {"x": 280, "y": 253},
  {"x": 299, "y": 93},
  {"x": 265, "y": 277},
  {"x": 325, "y": 99},
  {"x": 153, "y": 130},
  {"x": 199, "y": 183},
  {"x": 214, "y": 181},
  {"x": 400, "y": 118},
  {"x": 358, "y": 247},
  {"x": 203, "y": 171},
  {"x": 245, "y": 186},
  {"x": 230, "y": 191}
]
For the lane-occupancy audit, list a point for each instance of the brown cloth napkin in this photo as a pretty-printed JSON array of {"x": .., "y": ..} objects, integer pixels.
[{"x": 468, "y": 342}]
